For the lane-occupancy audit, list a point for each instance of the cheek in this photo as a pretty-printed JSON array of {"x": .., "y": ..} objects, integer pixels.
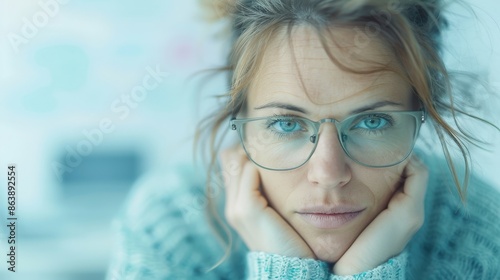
[
  {"x": 381, "y": 183},
  {"x": 278, "y": 187}
]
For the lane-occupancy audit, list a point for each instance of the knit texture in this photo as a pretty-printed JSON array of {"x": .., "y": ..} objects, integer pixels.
[
  {"x": 271, "y": 266},
  {"x": 162, "y": 234}
]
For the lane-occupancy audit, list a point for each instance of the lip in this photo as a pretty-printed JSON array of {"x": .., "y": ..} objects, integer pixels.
[{"x": 330, "y": 217}]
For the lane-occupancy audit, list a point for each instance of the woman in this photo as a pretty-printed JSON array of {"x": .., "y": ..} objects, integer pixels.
[{"x": 327, "y": 98}]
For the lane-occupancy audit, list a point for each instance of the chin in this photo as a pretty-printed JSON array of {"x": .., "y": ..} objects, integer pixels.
[{"x": 329, "y": 248}]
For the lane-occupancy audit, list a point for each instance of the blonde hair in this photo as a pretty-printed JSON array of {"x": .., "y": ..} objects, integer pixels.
[{"x": 410, "y": 28}]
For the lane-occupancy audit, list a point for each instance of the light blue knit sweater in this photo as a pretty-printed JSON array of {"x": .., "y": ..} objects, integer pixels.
[{"x": 162, "y": 234}]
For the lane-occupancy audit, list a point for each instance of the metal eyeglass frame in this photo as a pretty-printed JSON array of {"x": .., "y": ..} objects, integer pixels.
[{"x": 236, "y": 124}]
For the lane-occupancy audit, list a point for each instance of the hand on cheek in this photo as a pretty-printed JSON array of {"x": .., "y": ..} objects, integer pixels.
[
  {"x": 388, "y": 234},
  {"x": 249, "y": 213}
]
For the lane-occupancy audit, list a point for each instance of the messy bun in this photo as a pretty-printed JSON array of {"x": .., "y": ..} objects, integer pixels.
[{"x": 219, "y": 9}]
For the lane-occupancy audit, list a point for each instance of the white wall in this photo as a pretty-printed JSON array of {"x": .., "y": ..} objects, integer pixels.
[{"x": 473, "y": 46}]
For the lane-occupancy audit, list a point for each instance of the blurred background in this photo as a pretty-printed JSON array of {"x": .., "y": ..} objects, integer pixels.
[{"x": 95, "y": 94}]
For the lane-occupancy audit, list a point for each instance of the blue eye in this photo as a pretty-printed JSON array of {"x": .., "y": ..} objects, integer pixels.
[
  {"x": 286, "y": 126},
  {"x": 373, "y": 122}
]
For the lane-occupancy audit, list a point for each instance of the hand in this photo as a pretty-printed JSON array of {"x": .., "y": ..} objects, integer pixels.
[
  {"x": 388, "y": 234},
  {"x": 249, "y": 213}
]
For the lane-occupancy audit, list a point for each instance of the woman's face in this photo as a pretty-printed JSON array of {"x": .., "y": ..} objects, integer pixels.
[{"x": 303, "y": 81}]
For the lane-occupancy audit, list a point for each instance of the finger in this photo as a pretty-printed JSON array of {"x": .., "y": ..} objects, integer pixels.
[
  {"x": 416, "y": 178},
  {"x": 231, "y": 168},
  {"x": 249, "y": 189},
  {"x": 231, "y": 160}
]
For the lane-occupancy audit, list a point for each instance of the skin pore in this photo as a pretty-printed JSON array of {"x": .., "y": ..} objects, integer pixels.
[{"x": 300, "y": 79}]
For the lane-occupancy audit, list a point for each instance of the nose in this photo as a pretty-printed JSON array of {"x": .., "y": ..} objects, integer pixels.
[{"x": 328, "y": 166}]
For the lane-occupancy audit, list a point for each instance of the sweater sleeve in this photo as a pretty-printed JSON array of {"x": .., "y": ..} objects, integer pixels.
[
  {"x": 458, "y": 240},
  {"x": 162, "y": 234},
  {"x": 270, "y": 266},
  {"x": 262, "y": 265},
  {"x": 394, "y": 268}
]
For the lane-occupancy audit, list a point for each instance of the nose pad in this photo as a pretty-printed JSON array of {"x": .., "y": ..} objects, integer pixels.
[
  {"x": 328, "y": 166},
  {"x": 315, "y": 137}
]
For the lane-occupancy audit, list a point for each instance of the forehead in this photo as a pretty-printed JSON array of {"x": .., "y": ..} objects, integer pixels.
[{"x": 299, "y": 66}]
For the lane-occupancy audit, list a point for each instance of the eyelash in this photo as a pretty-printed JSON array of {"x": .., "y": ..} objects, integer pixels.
[
  {"x": 388, "y": 118},
  {"x": 277, "y": 118}
]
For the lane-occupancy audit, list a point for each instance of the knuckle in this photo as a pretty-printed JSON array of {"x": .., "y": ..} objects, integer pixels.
[
  {"x": 235, "y": 215},
  {"x": 415, "y": 223},
  {"x": 413, "y": 217}
]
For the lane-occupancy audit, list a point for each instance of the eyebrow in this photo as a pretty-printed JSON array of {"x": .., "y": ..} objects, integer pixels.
[
  {"x": 375, "y": 106},
  {"x": 304, "y": 111},
  {"x": 283, "y": 106}
]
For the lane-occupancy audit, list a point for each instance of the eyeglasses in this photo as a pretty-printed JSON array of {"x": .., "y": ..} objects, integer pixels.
[{"x": 372, "y": 139}]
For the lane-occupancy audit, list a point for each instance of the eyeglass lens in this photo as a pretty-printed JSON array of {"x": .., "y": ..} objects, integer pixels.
[{"x": 372, "y": 139}]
